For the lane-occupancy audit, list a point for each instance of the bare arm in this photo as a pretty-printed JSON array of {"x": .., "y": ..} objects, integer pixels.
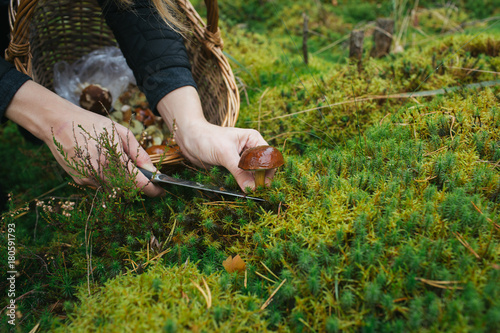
[{"x": 45, "y": 114}]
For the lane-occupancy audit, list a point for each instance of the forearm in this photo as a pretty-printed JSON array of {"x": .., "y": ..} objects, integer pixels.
[
  {"x": 40, "y": 111},
  {"x": 182, "y": 107}
]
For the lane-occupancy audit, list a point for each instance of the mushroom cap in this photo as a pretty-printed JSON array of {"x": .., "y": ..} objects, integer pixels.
[
  {"x": 145, "y": 115},
  {"x": 158, "y": 149},
  {"x": 161, "y": 149},
  {"x": 261, "y": 158},
  {"x": 96, "y": 99}
]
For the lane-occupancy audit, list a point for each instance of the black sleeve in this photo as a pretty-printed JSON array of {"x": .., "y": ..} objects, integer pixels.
[
  {"x": 10, "y": 79},
  {"x": 155, "y": 53},
  {"x": 10, "y": 82}
]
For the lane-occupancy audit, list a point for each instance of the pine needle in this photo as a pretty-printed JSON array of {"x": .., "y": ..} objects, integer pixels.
[
  {"x": 269, "y": 270},
  {"x": 206, "y": 294},
  {"x": 270, "y": 299},
  {"x": 464, "y": 243},
  {"x": 265, "y": 277},
  {"x": 35, "y": 328},
  {"x": 440, "y": 284}
]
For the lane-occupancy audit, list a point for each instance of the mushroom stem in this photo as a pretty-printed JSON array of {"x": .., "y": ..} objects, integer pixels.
[{"x": 260, "y": 178}]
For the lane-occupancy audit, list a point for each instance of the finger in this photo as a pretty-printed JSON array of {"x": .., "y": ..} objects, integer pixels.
[
  {"x": 269, "y": 176},
  {"x": 245, "y": 179},
  {"x": 84, "y": 181},
  {"x": 197, "y": 161},
  {"x": 134, "y": 150},
  {"x": 143, "y": 160},
  {"x": 142, "y": 181},
  {"x": 149, "y": 188},
  {"x": 230, "y": 160},
  {"x": 252, "y": 138},
  {"x": 247, "y": 138}
]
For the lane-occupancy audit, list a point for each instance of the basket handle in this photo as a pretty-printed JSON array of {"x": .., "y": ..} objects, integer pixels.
[
  {"x": 21, "y": 11},
  {"x": 18, "y": 51},
  {"x": 212, "y": 15},
  {"x": 211, "y": 33}
]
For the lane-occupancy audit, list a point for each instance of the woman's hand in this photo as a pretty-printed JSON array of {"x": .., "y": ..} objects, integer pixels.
[
  {"x": 50, "y": 117},
  {"x": 205, "y": 144},
  {"x": 70, "y": 136}
]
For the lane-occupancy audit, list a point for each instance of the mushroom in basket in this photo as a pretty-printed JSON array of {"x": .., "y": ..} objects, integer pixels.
[{"x": 96, "y": 98}]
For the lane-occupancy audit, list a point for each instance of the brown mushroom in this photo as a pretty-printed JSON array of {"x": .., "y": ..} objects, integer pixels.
[
  {"x": 145, "y": 115},
  {"x": 125, "y": 97},
  {"x": 161, "y": 149},
  {"x": 259, "y": 159},
  {"x": 96, "y": 99}
]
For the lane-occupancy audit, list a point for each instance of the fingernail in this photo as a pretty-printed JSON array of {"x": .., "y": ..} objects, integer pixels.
[{"x": 149, "y": 167}]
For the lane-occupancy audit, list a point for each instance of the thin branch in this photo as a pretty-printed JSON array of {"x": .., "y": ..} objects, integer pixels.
[
  {"x": 265, "y": 277},
  {"x": 269, "y": 270},
  {"x": 395, "y": 96},
  {"x": 88, "y": 252}
]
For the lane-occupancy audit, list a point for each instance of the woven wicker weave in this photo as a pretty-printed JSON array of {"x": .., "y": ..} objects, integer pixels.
[{"x": 47, "y": 31}]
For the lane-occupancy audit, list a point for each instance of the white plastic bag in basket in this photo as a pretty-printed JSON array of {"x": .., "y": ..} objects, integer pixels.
[{"x": 106, "y": 67}]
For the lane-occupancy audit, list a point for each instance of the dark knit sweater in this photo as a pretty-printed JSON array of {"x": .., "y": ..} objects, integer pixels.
[{"x": 155, "y": 53}]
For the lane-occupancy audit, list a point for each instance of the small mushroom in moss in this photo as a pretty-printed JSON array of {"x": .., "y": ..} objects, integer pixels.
[
  {"x": 96, "y": 98},
  {"x": 259, "y": 159}
]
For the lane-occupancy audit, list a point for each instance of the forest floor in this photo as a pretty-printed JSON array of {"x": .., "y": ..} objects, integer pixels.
[{"x": 385, "y": 216}]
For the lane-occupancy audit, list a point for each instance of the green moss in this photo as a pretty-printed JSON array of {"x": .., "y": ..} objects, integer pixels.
[
  {"x": 163, "y": 299},
  {"x": 383, "y": 218}
]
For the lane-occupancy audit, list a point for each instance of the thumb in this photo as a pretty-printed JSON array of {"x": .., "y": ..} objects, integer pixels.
[
  {"x": 143, "y": 160},
  {"x": 245, "y": 179},
  {"x": 133, "y": 149}
]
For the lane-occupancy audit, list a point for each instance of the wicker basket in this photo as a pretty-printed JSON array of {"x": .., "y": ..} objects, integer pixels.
[{"x": 47, "y": 31}]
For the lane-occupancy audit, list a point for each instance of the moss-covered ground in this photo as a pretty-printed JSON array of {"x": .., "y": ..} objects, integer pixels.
[{"x": 384, "y": 218}]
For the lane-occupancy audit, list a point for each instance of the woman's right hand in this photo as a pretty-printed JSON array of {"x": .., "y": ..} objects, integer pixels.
[{"x": 49, "y": 117}]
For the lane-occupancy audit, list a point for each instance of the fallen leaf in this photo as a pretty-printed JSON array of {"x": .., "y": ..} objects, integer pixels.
[{"x": 235, "y": 264}]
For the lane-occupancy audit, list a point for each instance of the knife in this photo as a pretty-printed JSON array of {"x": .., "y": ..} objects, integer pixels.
[{"x": 162, "y": 178}]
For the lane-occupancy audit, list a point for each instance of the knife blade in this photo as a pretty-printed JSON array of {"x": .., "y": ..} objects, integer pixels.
[{"x": 163, "y": 178}]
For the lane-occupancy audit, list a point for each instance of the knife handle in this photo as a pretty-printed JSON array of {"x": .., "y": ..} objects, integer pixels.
[{"x": 149, "y": 175}]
